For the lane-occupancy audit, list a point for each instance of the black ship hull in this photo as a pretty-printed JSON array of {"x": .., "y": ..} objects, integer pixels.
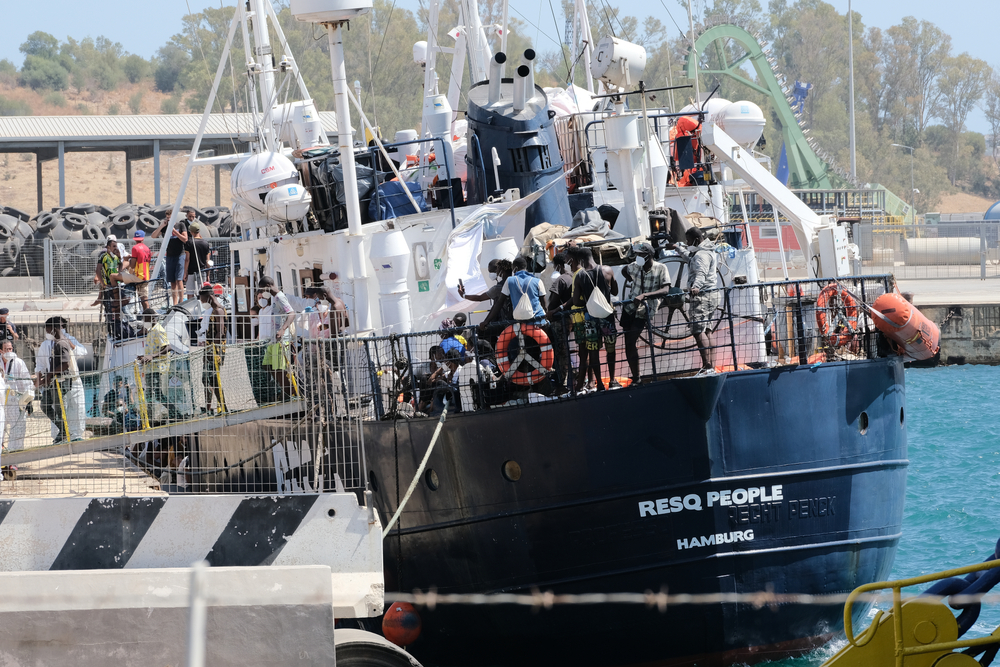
[{"x": 788, "y": 480}]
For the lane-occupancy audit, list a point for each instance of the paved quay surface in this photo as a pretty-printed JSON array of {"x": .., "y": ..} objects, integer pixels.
[{"x": 953, "y": 291}]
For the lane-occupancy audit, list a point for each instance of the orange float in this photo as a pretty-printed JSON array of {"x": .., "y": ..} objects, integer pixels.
[
  {"x": 837, "y": 315},
  {"x": 510, "y": 362},
  {"x": 401, "y": 624},
  {"x": 913, "y": 335}
]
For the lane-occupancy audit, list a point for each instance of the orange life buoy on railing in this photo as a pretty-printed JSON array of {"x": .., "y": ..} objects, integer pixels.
[
  {"x": 836, "y": 315},
  {"x": 513, "y": 361}
]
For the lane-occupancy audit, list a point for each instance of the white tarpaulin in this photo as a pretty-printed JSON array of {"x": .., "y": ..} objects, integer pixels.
[{"x": 460, "y": 255}]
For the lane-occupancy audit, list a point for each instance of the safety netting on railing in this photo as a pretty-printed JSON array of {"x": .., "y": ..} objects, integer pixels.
[{"x": 733, "y": 329}]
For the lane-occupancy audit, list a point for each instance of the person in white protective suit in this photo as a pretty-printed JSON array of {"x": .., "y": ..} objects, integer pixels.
[{"x": 20, "y": 392}]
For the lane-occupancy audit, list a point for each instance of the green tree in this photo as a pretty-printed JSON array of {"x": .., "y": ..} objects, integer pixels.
[
  {"x": 962, "y": 83},
  {"x": 136, "y": 68},
  {"x": 42, "y": 73},
  {"x": 40, "y": 44},
  {"x": 170, "y": 62}
]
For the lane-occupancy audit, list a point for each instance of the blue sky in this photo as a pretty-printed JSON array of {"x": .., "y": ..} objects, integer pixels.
[{"x": 143, "y": 26}]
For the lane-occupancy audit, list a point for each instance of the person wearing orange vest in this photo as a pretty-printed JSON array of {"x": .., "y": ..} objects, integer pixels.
[{"x": 138, "y": 267}]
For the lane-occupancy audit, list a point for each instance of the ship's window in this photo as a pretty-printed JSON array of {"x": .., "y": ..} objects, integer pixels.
[
  {"x": 431, "y": 477},
  {"x": 863, "y": 423},
  {"x": 901, "y": 416},
  {"x": 511, "y": 471}
]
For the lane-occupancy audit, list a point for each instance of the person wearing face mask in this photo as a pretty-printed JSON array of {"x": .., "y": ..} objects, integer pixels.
[
  {"x": 43, "y": 359},
  {"x": 20, "y": 393},
  {"x": 502, "y": 310},
  {"x": 215, "y": 348},
  {"x": 646, "y": 280},
  {"x": 278, "y": 355},
  {"x": 155, "y": 363},
  {"x": 65, "y": 389}
]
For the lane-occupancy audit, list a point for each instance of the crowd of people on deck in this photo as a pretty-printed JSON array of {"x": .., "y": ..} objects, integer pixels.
[
  {"x": 576, "y": 306},
  {"x": 469, "y": 367}
]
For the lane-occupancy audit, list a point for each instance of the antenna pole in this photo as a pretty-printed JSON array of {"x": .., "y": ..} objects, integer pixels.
[
  {"x": 850, "y": 66},
  {"x": 345, "y": 145},
  {"x": 697, "y": 87}
]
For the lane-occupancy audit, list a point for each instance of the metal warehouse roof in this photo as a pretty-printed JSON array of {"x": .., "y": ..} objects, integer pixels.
[
  {"x": 139, "y": 137},
  {"x": 105, "y": 130}
]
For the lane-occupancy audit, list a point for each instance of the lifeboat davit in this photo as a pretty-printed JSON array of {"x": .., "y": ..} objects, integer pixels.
[{"x": 914, "y": 335}]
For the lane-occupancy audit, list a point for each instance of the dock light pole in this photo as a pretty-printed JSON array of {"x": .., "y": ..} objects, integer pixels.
[{"x": 913, "y": 210}]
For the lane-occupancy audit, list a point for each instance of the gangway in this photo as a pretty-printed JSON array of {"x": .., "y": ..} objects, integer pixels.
[{"x": 173, "y": 429}]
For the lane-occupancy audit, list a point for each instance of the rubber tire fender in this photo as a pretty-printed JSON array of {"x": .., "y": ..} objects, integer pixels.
[{"x": 360, "y": 648}]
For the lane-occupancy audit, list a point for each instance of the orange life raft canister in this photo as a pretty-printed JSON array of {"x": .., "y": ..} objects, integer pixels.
[{"x": 915, "y": 336}]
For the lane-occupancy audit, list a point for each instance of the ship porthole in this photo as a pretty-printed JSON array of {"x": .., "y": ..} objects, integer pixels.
[
  {"x": 901, "y": 416},
  {"x": 511, "y": 471},
  {"x": 863, "y": 423},
  {"x": 431, "y": 478}
]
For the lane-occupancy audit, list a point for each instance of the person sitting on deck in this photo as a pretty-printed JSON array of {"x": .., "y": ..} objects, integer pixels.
[{"x": 449, "y": 343}]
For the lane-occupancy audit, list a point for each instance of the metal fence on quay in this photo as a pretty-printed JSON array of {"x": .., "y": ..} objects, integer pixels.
[
  {"x": 909, "y": 252},
  {"x": 251, "y": 417},
  {"x": 945, "y": 250},
  {"x": 68, "y": 268}
]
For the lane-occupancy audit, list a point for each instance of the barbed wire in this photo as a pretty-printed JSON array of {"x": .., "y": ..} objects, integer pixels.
[{"x": 662, "y": 600}]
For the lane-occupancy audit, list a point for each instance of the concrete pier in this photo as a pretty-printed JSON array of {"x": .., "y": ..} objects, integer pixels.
[
  {"x": 968, "y": 313},
  {"x": 255, "y": 616}
]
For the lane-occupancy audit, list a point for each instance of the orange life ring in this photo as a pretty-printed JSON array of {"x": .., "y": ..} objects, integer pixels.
[
  {"x": 513, "y": 361},
  {"x": 840, "y": 327}
]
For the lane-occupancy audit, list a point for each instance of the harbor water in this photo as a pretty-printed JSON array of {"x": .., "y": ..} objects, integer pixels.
[{"x": 953, "y": 484}]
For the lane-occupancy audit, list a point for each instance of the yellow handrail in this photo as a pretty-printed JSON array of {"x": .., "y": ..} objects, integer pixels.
[{"x": 896, "y": 586}]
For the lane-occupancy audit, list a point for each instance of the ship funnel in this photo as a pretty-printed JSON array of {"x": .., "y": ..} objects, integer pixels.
[
  {"x": 496, "y": 74},
  {"x": 528, "y": 60},
  {"x": 521, "y": 88}
]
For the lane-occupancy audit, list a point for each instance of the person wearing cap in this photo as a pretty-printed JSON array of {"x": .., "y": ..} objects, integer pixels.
[
  {"x": 155, "y": 363},
  {"x": 176, "y": 254},
  {"x": 65, "y": 404},
  {"x": 7, "y": 329},
  {"x": 138, "y": 267},
  {"x": 109, "y": 274},
  {"x": 43, "y": 359},
  {"x": 198, "y": 253},
  {"x": 646, "y": 279}
]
